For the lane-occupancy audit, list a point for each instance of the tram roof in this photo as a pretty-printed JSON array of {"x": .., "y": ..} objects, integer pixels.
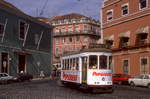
[{"x": 105, "y": 50}]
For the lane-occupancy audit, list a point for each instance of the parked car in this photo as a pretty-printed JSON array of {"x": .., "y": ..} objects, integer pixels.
[
  {"x": 141, "y": 80},
  {"x": 24, "y": 76},
  {"x": 6, "y": 78},
  {"x": 119, "y": 78}
]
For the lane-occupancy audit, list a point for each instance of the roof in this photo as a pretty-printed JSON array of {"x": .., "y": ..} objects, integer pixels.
[
  {"x": 68, "y": 16},
  {"x": 89, "y": 50},
  {"x": 14, "y": 10}
]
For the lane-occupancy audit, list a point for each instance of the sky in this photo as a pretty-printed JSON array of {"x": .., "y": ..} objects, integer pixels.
[{"x": 49, "y": 8}]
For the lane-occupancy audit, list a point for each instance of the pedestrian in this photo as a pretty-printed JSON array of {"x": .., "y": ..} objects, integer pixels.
[{"x": 42, "y": 74}]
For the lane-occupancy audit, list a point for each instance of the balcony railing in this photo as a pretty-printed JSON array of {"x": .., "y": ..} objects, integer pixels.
[
  {"x": 141, "y": 42},
  {"x": 77, "y": 33},
  {"x": 136, "y": 46},
  {"x": 124, "y": 45}
]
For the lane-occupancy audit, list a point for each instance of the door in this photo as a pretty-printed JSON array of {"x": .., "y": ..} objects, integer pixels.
[
  {"x": 4, "y": 62},
  {"x": 84, "y": 69},
  {"x": 22, "y": 63}
]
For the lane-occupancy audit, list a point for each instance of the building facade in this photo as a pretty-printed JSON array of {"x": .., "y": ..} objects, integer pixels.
[
  {"x": 126, "y": 28},
  {"x": 25, "y": 42},
  {"x": 72, "y": 32}
]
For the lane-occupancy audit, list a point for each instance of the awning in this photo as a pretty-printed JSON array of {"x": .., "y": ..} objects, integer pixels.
[
  {"x": 125, "y": 34},
  {"x": 109, "y": 38},
  {"x": 143, "y": 30}
]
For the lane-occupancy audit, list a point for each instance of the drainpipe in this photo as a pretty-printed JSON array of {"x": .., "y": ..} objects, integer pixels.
[{"x": 4, "y": 30}]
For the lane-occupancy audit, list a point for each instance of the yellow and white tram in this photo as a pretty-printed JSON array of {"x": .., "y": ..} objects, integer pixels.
[{"x": 89, "y": 68}]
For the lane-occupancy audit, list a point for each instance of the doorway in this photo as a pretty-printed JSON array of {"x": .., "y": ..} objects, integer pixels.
[
  {"x": 22, "y": 63},
  {"x": 4, "y": 62}
]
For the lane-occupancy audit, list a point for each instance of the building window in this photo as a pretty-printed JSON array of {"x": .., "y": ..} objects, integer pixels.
[
  {"x": 57, "y": 30},
  {"x": 36, "y": 38},
  {"x": 78, "y": 38},
  {"x": 109, "y": 42},
  {"x": 109, "y": 15},
  {"x": 70, "y": 29},
  {"x": 77, "y": 29},
  {"x": 125, "y": 9},
  {"x": 144, "y": 65},
  {"x": 64, "y": 40},
  {"x": 143, "y": 4},
  {"x": 1, "y": 29},
  {"x": 85, "y": 28},
  {"x": 126, "y": 66},
  {"x": 63, "y": 29},
  {"x": 142, "y": 38},
  {"x": 57, "y": 52},
  {"x": 124, "y": 42},
  {"x": 70, "y": 39},
  {"x": 22, "y": 29},
  {"x": 57, "y": 41}
]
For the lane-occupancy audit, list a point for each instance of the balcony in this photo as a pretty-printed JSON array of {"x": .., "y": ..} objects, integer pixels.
[
  {"x": 124, "y": 45},
  {"x": 141, "y": 44},
  {"x": 92, "y": 33}
]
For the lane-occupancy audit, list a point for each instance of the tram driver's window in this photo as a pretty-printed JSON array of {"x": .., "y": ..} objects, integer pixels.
[
  {"x": 93, "y": 62},
  {"x": 103, "y": 62}
]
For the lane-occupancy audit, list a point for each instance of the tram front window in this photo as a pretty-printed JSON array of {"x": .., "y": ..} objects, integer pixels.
[
  {"x": 103, "y": 62},
  {"x": 93, "y": 62}
]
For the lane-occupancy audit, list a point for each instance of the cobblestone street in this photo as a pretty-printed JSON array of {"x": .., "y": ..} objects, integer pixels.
[{"x": 48, "y": 89}]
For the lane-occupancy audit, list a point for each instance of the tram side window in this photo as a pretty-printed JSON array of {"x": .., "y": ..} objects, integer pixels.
[
  {"x": 67, "y": 64},
  {"x": 103, "y": 62},
  {"x": 93, "y": 62},
  {"x": 71, "y": 64},
  {"x": 77, "y": 63},
  {"x": 63, "y": 64}
]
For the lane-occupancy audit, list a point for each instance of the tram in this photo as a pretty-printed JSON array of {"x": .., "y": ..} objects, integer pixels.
[{"x": 89, "y": 68}]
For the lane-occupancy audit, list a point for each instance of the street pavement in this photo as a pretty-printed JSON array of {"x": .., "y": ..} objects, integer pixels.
[{"x": 49, "y": 89}]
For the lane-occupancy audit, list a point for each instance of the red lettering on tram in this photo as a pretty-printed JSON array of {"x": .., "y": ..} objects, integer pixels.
[
  {"x": 69, "y": 77},
  {"x": 101, "y": 74}
]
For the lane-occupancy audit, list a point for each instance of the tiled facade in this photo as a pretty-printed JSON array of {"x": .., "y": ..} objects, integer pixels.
[
  {"x": 126, "y": 28},
  {"x": 25, "y": 42},
  {"x": 72, "y": 32}
]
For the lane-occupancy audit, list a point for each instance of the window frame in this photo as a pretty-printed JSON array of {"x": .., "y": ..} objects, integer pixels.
[
  {"x": 145, "y": 57},
  {"x": 3, "y": 29},
  {"x": 111, "y": 10},
  {"x": 126, "y": 4},
  {"x": 128, "y": 67},
  {"x": 25, "y": 30},
  {"x": 144, "y": 7}
]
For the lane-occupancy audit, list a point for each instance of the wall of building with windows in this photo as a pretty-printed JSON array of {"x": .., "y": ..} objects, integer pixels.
[
  {"x": 25, "y": 43},
  {"x": 127, "y": 31}
]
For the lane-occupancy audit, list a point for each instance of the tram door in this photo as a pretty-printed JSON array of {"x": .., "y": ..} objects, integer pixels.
[{"x": 84, "y": 69}]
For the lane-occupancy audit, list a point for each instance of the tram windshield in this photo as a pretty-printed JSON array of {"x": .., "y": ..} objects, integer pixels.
[
  {"x": 93, "y": 62},
  {"x": 99, "y": 62},
  {"x": 103, "y": 62}
]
